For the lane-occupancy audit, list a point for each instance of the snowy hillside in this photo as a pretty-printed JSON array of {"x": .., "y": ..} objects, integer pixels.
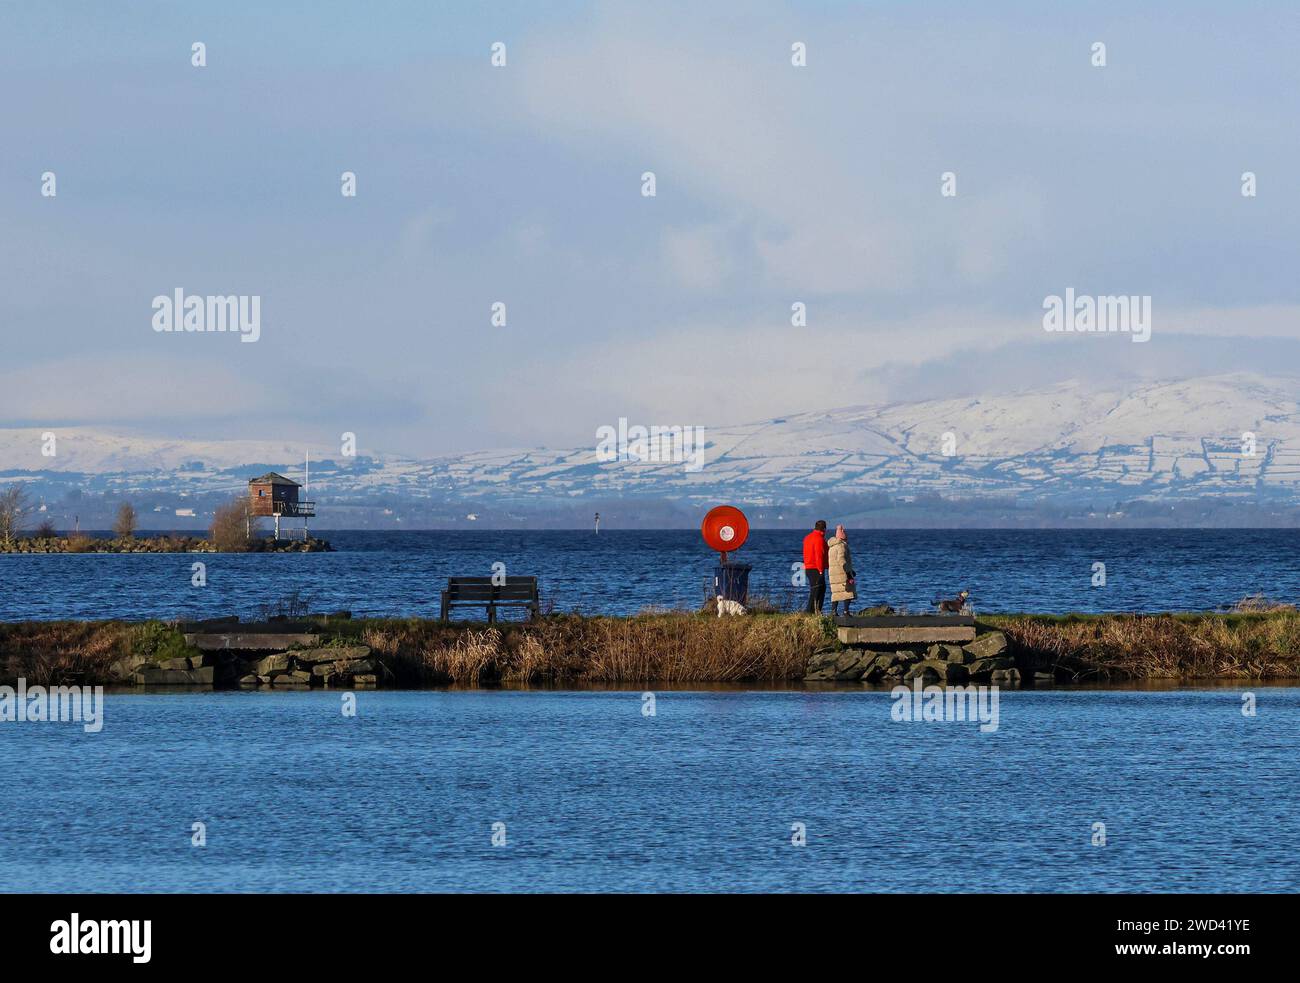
[{"x": 1174, "y": 440}]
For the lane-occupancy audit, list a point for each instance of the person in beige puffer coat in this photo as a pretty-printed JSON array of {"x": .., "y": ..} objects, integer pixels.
[{"x": 839, "y": 566}]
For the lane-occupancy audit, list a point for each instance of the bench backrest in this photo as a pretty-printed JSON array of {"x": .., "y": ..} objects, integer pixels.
[{"x": 481, "y": 589}]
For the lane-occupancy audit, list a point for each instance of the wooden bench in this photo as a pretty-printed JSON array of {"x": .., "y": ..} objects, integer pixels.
[{"x": 481, "y": 592}]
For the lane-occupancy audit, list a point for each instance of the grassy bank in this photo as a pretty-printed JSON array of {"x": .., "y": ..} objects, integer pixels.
[
  {"x": 1246, "y": 645},
  {"x": 667, "y": 648},
  {"x": 681, "y": 648}
]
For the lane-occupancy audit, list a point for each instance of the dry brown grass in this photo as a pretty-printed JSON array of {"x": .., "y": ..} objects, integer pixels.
[
  {"x": 1223, "y": 646},
  {"x": 664, "y": 648},
  {"x": 79, "y": 542},
  {"x": 680, "y": 649},
  {"x": 44, "y": 652}
]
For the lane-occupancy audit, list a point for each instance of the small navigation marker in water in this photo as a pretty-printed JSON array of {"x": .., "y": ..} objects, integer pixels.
[{"x": 597, "y": 523}]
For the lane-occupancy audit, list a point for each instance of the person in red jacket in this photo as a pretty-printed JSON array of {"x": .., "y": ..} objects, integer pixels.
[{"x": 814, "y": 566}]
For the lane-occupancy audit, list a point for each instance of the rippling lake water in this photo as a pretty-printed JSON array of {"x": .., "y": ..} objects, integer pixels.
[
  {"x": 702, "y": 796},
  {"x": 621, "y": 572}
]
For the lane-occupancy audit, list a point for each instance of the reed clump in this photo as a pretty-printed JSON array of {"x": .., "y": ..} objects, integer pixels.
[
  {"x": 45, "y": 652},
  {"x": 665, "y": 648},
  {"x": 1235, "y": 645}
]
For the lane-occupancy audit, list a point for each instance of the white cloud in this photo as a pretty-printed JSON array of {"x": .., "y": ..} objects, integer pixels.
[
  {"x": 160, "y": 390},
  {"x": 698, "y": 257}
]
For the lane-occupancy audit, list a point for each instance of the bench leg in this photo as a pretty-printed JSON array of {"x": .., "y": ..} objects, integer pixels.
[
  {"x": 442, "y": 616},
  {"x": 492, "y": 614}
]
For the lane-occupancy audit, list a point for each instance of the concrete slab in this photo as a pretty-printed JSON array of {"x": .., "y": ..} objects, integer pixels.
[
  {"x": 250, "y": 641},
  {"x": 907, "y": 635}
]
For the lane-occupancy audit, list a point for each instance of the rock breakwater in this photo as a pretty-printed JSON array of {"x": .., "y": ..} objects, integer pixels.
[{"x": 985, "y": 660}]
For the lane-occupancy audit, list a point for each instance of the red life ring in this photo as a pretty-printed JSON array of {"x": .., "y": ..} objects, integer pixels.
[{"x": 725, "y": 528}]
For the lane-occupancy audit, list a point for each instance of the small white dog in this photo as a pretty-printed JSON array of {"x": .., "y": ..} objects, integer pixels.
[{"x": 729, "y": 607}]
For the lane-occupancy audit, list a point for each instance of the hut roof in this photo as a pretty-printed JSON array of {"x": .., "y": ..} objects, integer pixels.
[{"x": 271, "y": 478}]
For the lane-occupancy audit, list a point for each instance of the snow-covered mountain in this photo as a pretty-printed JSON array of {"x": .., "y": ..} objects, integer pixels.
[{"x": 1168, "y": 440}]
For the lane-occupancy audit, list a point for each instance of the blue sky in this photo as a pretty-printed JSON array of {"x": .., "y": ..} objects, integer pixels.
[{"x": 521, "y": 184}]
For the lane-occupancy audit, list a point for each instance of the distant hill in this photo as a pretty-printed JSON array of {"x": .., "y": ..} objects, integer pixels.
[{"x": 1163, "y": 442}]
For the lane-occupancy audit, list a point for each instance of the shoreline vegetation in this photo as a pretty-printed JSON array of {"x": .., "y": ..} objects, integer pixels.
[
  {"x": 80, "y": 542},
  {"x": 234, "y": 529},
  {"x": 668, "y": 648}
]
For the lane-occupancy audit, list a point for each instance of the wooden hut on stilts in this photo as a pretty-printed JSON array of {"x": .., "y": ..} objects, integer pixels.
[{"x": 277, "y": 496}]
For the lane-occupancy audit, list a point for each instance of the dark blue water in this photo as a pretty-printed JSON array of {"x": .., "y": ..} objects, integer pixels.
[
  {"x": 596, "y": 796},
  {"x": 621, "y": 572}
]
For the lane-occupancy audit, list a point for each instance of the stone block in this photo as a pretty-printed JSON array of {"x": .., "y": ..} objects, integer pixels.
[
  {"x": 279, "y": 662},
  {"x": 906, "y": 636},
  {"x": 251, "y": 641},
  {"x": 936, "y": 670},
  {"x": 1006, "y": 677},
  {"x": 363, "y": 666},
  {"x": 947, "y": 653},
  {"x": 344, "y": 653},
  {"x": 987, "y": 646},
  {"x": 157, "y": 676},
  {"x": 126, "y": 668},
  {"x": 982, "y": 666}
]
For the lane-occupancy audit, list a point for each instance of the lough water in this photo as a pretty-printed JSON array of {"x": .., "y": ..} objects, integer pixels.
[
  {"x": 621, "y": 572},
  {"x": 595, "y": 796}
]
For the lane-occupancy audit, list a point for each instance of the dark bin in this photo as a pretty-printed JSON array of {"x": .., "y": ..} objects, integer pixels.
[{"x": 731, "y": 581}]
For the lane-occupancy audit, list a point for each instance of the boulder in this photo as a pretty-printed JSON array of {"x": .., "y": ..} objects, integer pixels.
[
  {"x": 1006, "y": 677},
  {"x": 987, "y": 646},
  {"x": 947, "y": 653},
  {"x": 279, "y": 662},
  {"x": 821, "y": 664},
  {"x": 936, "y": 670},
  {"x": 249, "y": 680},
  {"x": 873, "y": 667},
  {"x": 925, "y": 671},
  {"x": 850, "y": 674},
  {"x": 311, "y": 657},
  {"x": 982, "y": 666},
  {"x": 884, "y": 664},
  {"x": 366, "y": 680},
  {"x": 174, "y": 664},
  {"x": 157, "y": 676},
  {"x": 126, "y": 668},
  {"x": 955, "y": 673},
  {"x": 364, "y": 666}
]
